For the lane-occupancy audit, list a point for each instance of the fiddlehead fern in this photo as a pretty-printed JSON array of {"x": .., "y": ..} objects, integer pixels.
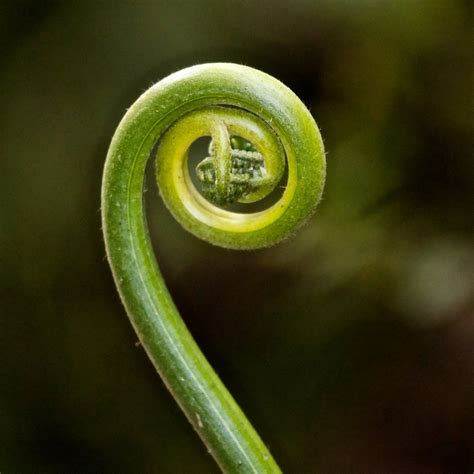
[{"x": 257, "y": 128}]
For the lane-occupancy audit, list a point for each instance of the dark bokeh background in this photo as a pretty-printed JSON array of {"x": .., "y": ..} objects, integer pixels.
[{"x": 350, "y": 347}]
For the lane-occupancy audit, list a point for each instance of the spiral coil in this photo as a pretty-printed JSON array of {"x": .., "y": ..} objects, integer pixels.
[{"x": 259, "y": 131}]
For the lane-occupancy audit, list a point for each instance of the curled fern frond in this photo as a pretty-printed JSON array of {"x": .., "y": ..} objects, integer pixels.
[{"x": 260, "y": 132}]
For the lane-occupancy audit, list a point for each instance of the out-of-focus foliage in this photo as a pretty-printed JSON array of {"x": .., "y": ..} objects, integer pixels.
[{"x": 350, "y": 346}]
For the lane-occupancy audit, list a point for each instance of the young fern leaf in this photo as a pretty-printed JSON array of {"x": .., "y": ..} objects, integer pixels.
[{"x": 258, "y": 127}]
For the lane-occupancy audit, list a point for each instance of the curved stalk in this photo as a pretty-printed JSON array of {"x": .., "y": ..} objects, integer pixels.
[{"x": 257, "y": 126}]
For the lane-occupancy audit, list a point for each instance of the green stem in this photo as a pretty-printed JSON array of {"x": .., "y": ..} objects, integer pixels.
[{"x": 221, "y": 101}]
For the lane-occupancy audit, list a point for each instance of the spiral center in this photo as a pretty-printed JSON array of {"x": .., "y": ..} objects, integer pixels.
[{"x": 243, "y": 174}]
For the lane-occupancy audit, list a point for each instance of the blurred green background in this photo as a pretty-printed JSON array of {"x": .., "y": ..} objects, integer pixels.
[{"x": 350, "y": 347}]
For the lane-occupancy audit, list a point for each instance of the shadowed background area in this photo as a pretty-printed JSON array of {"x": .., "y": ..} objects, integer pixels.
[{"x": 350, "y": 347}]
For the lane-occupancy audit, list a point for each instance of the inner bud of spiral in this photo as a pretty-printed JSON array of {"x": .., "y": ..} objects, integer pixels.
[{"x": 245, "y": 173}]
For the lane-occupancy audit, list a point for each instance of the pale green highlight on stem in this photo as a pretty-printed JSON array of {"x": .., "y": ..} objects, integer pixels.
[{"x": 217, "y": 100}]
